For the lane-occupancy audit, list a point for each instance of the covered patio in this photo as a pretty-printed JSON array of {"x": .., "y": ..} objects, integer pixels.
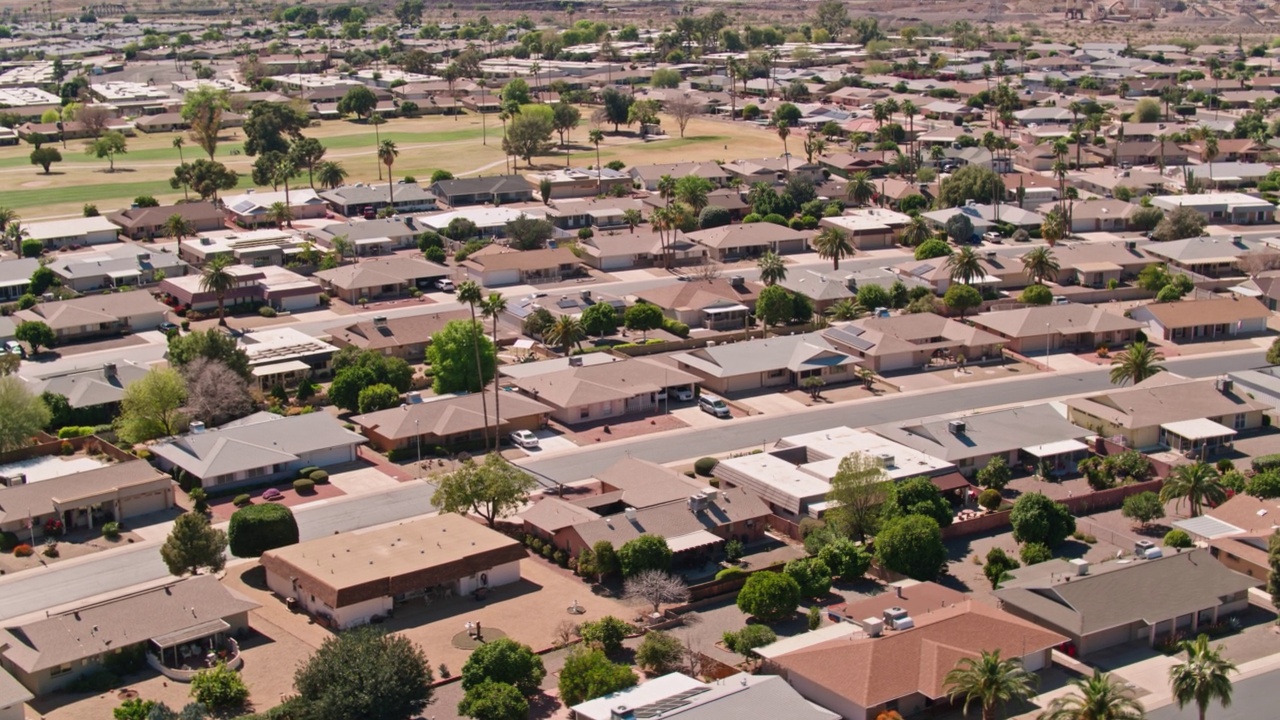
[
  {"x": 726, "y": 317},
  {"x": 179, "y": 655},
  {"x": 1060, "y": 456},
  {"x": 1198, "y": 438}
]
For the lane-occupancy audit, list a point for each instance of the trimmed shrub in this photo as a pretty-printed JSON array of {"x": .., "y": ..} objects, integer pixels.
[
  {"x": 1177, "y": 539},
  {"x": 990, "y": 499},
  {"x": 675, "y": 327},
  {"x": 705, "y": 465},
  {"x": 730, "y": 572},
  {"x": 267, "y": 311},
  {"x": 1266, "y": 462},
  {"x": 8, "y": 541},
  {"x": 305, "y": 485},
  {"x": 319, "y": 477},
  {"x": 1035, "y": 552},
  {"x": 23, "y": 550},
  {"x": 111, "y": 530},
  {"x": 306, "y": 471},
  {"x": 241, "y": 501},
  {"x": 74, "y": 431},
  {"x": 259, "y": 528}
]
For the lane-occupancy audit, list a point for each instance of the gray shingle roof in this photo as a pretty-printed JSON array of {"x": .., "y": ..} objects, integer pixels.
[{"x": 271, "y": 440}]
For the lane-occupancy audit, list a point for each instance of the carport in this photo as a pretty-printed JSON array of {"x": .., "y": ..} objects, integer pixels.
[{"x": 1195, "y": 438}]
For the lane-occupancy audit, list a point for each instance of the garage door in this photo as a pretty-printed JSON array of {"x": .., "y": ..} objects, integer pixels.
[
  {"x": 332, "y": 456},
  {"x": 142, "y": 504},
  {"x": 299, "y": 302}
]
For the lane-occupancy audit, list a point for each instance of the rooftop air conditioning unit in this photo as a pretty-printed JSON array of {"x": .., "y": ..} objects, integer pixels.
[
  {"x": 585, "y": 294},
  {"x": 873, "y": 627},
  {"x": 1081, "y": 565},
  {"x": 956, "y": 427},
  {"x": 197, "y": 427},
  {"x": 575, "y": 361},
  {"x": 697, "y": 502},
  {"x": 1225, "y": 385},
  {"x": 738, "y": 281},
  {"x": 630, "y": 514},
  {"x": 711, "y": 494},
  {"x": 413, "y": 397},
  {"x": 380, "y": 321},
  {"x": 896, "y": 618},
  {"x": 1130, "y": 245},
  {"x": 991, "y": 256},
  {"x": 886, "y": 459},
  {"x": 144, "y": 256}
]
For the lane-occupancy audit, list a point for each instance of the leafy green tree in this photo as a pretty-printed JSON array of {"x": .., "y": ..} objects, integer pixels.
[
  {"x": 745, "y": 641},
  {"x": 377, "y": 397},
  {"x": 490, "y": 490},
  {"x": 607, "y": 633},
  {"x": 364, "y": 673},
  {"x": 256, "y": 529},
  {"x": 359, "y": 101},
  {"x": 857, "y": 491},
  {"x": 272, "y": 127},
  {"x": 1181, "y": 223},
  {"x": 194, "y": 544},
  {"x": 989, "y": 681},
  {"x": 659, "y": 653},
  {"x": 600, "y": 319},
  {"x": 769, "y": 596},
  {"x": 995, "y": 474},
  {"x": 1145, "y": 507},
  {"x": 998, "y": 566},
  {"x": 845, "y": 558},
  {"x": 917, "y": 496},
  {"x": 912, "y": 545},
  {"x": 110, "y": 144},
  {"x": 812, "y": 575},
  {"x": 452, "y": 364},
  {"x": 219, "y": 688},
  {"x": 494, "y": 701},
  {"x": 617, "y": 107},
  {"x": 152, "y": 407},
  {"x": 971, "y": 182},
  {"x": 647, "y": 552},
  {"x": 504, "y": 661},
  {"x": 1037, "y": 519},
  {"x": 36, "y": 334},
  {"x": 205, "y": 178},
  {"x": 774, "y": 305},
  {"x": 606, "y": 559},
  {"x": 1036, "y": 295},
  {"x": 962, "y": 298},
  {"x": 643, "y": 317},
  {"x": 932, "y": 248},
  {"x": 588, "y": 674},
  {"x": 1035, "y": 553},
  {"x": 212, "y": 344},
  {"x": 133, "y": 709},
  {"x": 528, "y": 134},
  {"x": 527, "y": 233},
  {"x": 202, "y": 108},
  {"x": 45, "y": 157},
  {"x": 959, "y": 228},
  {"x": 24, "y": 414}
]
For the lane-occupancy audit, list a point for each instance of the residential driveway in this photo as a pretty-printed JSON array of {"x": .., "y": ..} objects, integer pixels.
[
  {"x": 770, "y": 404},
  {"x": 696, "y": 419},
  {"x": 363, "y": 480},
  {"x": 550, "y": 441},
  {"x": 1067, "y": 362}
]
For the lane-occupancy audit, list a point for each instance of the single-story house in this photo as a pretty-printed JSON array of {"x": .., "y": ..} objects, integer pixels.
[
  {"x": 773, "y": 170},
  {"x": 405, "y": 197},
  {"x": 769, "y": 362},
  {"x": 449, "y": 420},
  {"x": 1094, "y": 264},
  {"x": 261, "y": 447},
  {"x": 735, "y": 241},
  {"x": 116, "y": 266},
  {"x": 404, "y": 337},
  {"x": 381, "y": 277},
  {"x": 281, "y": 355},
  {"x": 13, "y": 696},
  {"x": 97, "y": 315},
  {"x": 715, "y": 304},
  {"x": 1192, "y": 320},
  {"x": 73, "y": 233},
  {"x": 681, "y": 697},
  {"x": 624, "y": 249},
  {"x": 859, "y": 676},
  {"x": 270, "y": 285},
  {"x": 1109, "y": 604},
  {"x": 148, "y": 223},
  {"x": 1167, "y": 411},
  {"x": 579, "y": 182},
  {"x": 250, "y": 209},
  {"x": 49, "y": 653},
  {"x": 1213, "y": 257},
  {"x": 85, "y": 499},
  {"x": 649, "y": 175},
  {"x": 370, "y": 237},
  {"x": 438, "y": 556},
  {"x": 1237, "y": 532},
  {"x": 1072, "y": 326},
  {"x": 15, "y": 277},
  {"x": 526, "y": 267},
  {"x": 585, "y": 392},
  {"x": 869, "y": 228},
  {"x": 492, "y": 190},
  {"x": 909, "y": 342},
  {"x": 101, "y": 387},
  {"x": 1231, "y": 208}
]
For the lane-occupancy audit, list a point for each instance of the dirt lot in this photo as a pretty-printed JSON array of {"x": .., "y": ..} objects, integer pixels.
[
  {"x": 77, "y": 544},
  {"x": 425, "y": 144}
]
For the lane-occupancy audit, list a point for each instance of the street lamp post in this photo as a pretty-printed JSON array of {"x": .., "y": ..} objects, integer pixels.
[
  {"x": 1048, "y": 343},
  {"x": 418, "y": 436}
]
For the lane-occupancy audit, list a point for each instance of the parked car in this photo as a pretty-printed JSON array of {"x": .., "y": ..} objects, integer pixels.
[
  {"x": 445, "y": 284},
  {"x": 166, "y": 327},
  {"x": 714, "y": 406},
  {"x": 13, "y": 347},
  {"x": 684, "y": 394},
  {"x": 524, "y": 439},
  {"x": 993, "y": 237}
]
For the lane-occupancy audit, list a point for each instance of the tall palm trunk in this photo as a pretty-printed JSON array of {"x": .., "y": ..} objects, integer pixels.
[{"x": 497, "y": 391}]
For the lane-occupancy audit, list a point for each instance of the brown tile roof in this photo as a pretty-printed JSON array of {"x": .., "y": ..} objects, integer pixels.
[
  {"x": 526, "y": 260},
  {"x": 39, "y": 498},
  {"x": 126, "y": 620},
  {"x": 1164, "y": 400},
  {"x": 698, "y": 294},
  {"x": 1251, "y": 514},
  {"x": 872, "y": 671},
  {"x": 674, "y": 519},
  {"x": 446, "y": 415},
  {"x": 349, "y": 568},
  {"x": 1188, "y": 313},
  {"x": 553, "y": 514},
  {"x": 578, "y": 386},
  {"x": 644, "y": 484},
  {"x": 916, "y": 599},
  {"x": 397, "y": 331}
]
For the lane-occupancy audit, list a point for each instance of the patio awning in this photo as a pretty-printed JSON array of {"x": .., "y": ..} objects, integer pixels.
[
  {"x": 525, "y": 343},
  {"x": 1053, "y": 449},
  {"x": 1209, "y": 528},
  {"x": 280, "y": 368},
  {"x": 124, "y": 274},
  {"x": 195, "y": 632},
  {"x": 950, "y": 481},
  {"x": 693, "y": 540},
  {"x": 1198, "y": 429},
  {"x": 366, "y": 242},
  {"x": 725, "y": 309}
]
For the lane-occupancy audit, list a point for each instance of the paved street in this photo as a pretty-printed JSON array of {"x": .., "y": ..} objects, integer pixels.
[
  {"x": 61, "y": 583},
  {"x": 1253, "y": 699},
  {"x": 764, "y": 429}
]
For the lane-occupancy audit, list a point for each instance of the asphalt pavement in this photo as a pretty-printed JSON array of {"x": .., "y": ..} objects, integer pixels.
[
  {"x": 738, "y": 433},
  {"x": 1251, "y": 699},
  {"x": 92, "y": 575}
]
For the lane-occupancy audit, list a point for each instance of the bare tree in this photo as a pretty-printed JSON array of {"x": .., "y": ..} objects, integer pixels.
[
  {"x": 215, "y": 393},
  {"x": 682, "y": 109},
  {"x": 706, "y": 270},
  {"x": 1258, "y": 261},
  {"x": 565, "y": 632},
  {"x": 94, "y": 118},
  {"x": 656, "y": 587}
]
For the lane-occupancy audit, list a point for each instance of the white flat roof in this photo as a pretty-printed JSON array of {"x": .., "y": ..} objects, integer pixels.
[
  {"x": 280, "y": 368},
  {"x": 695, "y": 539},
  {"x": 1198, "y": 429},
  {"x": 1061, "y": 447},
  {"x": 835, "y": 443},
  {"x": 809, "y": 639}
]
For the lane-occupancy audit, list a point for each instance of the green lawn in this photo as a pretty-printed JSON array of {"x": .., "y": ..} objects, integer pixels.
[{"x": 108, "y": 196}]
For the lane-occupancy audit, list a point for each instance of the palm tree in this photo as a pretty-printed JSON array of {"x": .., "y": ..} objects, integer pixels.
[
  {"x": 989, "y": 681},
  {"x": 177, "y": 145},
  {"x": 1054, "y": 226},
  {"x": 279, "y": 213},
  {"x": 632, "y": 218},
  {"x": 1203, "y": 678},
  {"x": 1097, "y": 698},
  {"x": 375, "y": 120},
  {"x": 492, "y": 308},
  {"x": 772, "y": 269},
  {"x": 916, "y": 232},
  {"x": 1040, "y": 265},
  {"x": 216, "y": 278},
  {"x": 784, "y": 131},
  {"x": 387, "y": 154},
  {"x": 1198, "y": 482},
  {"x": 566, "y": 332},
  {"x": 330, "y": 174},
  {"x": 860, "y": 189},
  {"x": 596, "y": 137},
  {"x": 469, "y": 292},
  {"x": 832, "y": 244},
  {"x": 1136, "y": 363},
  {"x": 847, "y": 309},
  {"x": 910, "y": 110},
  {"x": 177, "y": 227},
  {"x": 6, "y": 216},
  {"x": 1210, "y": 151},
  {"x": 965, "y": 266}
]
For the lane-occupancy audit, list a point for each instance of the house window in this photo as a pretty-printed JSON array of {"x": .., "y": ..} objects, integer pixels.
[
  {"x": 777, "y": 373},
  {"x": 1239, "y": 421},
  {"x": 60, "y": 670},
  {"x": 584, "y": 413}
]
